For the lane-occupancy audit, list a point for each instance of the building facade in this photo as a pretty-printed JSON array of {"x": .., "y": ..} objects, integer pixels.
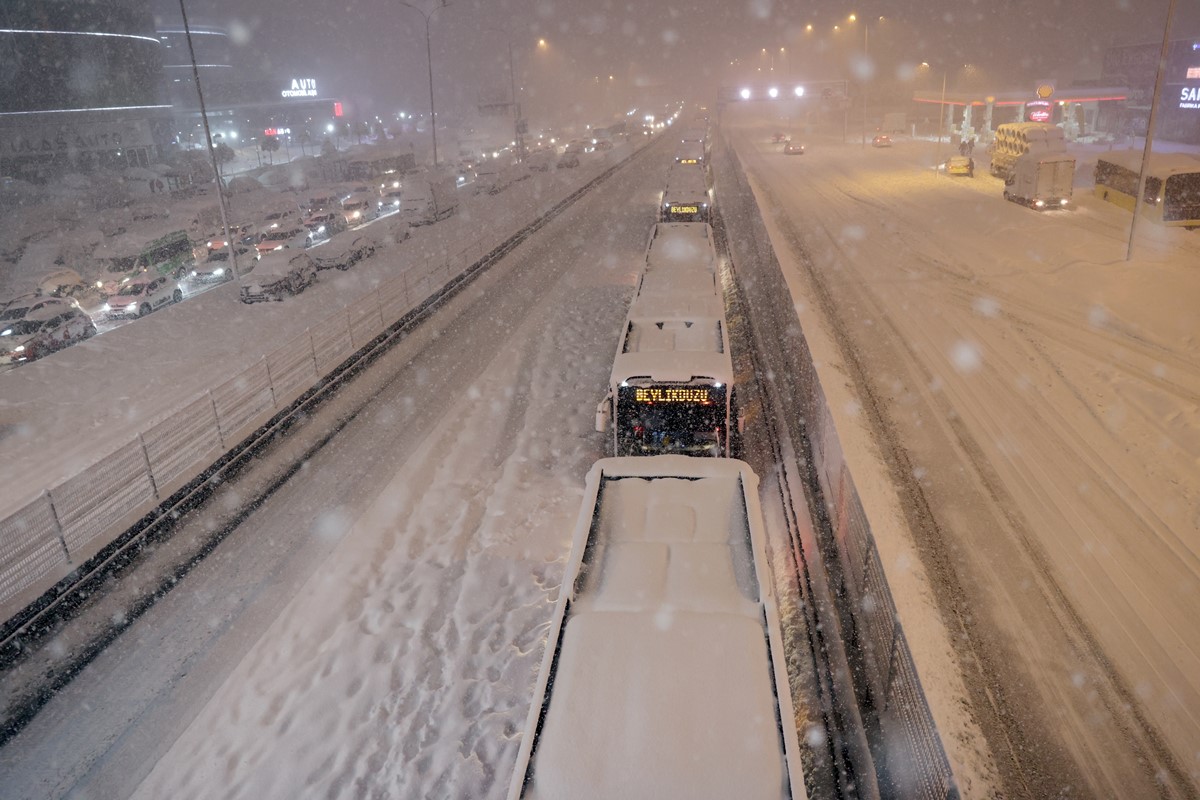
[
  {"x": 82, "y": 86},
  {"x": 1136, "y": 65}
]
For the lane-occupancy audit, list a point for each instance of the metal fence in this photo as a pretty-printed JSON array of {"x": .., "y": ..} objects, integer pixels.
[
  {"x": 47, "y": 539},
  {"x": 914, "y": 762}
]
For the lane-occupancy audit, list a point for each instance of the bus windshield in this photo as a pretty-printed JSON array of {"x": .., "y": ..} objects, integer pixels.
[
  {"x": 685, "y": 426},
  {"x": 1181, "y": 200}
]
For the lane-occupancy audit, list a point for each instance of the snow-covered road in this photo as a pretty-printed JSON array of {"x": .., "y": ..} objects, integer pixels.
[
  {"x": 1026, "y": 406},
  {"x": 374, "y": 628}
]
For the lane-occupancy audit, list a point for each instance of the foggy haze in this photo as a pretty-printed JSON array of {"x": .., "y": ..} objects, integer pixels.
[{"x": 371, "y": 52}]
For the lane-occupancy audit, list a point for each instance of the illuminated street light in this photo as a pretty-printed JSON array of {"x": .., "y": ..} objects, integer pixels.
[
  {"x": 429, "y": 60},
  {"x": 745, "y": 93},
  {"x": 799, "y": 91},
  {"x": 773, "y": 92}
]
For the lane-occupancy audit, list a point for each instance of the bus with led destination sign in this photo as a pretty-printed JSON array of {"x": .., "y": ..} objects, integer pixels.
[
  {"x": 699, "y": 394},
  {"x": 670, "y": 389},
  {"x": 685, "y": 198}
]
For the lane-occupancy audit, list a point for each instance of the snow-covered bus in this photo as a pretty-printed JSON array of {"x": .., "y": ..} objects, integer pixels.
[
  {"x": 1172, "y": 195},
  {"x": 679, "y": 246},
  {"x": 686, "y": 196},
  {"x": 664, "y": 672},
  {"x": 671, "y": 389}
]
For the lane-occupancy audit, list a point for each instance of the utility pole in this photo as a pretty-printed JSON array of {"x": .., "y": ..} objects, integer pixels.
[
  {"x": 1147, "y": 147},
  {"x": 428, "y": 15}
]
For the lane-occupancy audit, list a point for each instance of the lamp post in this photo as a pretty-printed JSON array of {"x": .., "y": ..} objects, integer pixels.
[
  {"x": 518, "y": 137},
  {"x": 866, "y": 61},
  {"x": 428, "y": 15}
]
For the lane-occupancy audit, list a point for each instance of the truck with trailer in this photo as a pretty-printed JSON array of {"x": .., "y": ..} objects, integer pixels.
[
  {"x": 664, "y": 672},
  {"x": 1015, "y": 139}
]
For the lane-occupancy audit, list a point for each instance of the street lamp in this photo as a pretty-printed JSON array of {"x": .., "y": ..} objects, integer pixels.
[
  {"x": 866, "y": 60},
  {"x": 518, "y": 136},
  {"x": 429, "y": 59}
]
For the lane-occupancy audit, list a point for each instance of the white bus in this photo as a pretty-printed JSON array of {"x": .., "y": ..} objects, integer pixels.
[
  {"x": 671, "y": 388},
  {"x": 681, "y": 246},
  {"x": 686, "y": 197},
  {"x": 664, "y": 672}
]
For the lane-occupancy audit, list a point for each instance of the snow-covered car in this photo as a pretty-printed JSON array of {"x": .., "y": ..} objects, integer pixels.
[
  {"x": 359, "y": 208},
  {"x": 779, "y": 137},
  {"x": 389, "y": 201},
  {"x": 325, "y": 224},
  {"x": 141, "y": 296},
  {"x": 882, "y": 140},
  {"x": 69, "y": 285},
  {"x": 282, "y": 218},
  {"x": 960, "y": 165},
  {"x": 215, "y": 268},
  {"x": 41, "y": 332},
  {"x": 284, "y": 239},
  {"x": 344, "y": 251},
  {"x": 793, "y": 149},
  {"x": 568, "y": 161},
  {"x": 243, "y": 233},
  {"x": 24, "y": 305},
  {"x": 279, "y": 275}
]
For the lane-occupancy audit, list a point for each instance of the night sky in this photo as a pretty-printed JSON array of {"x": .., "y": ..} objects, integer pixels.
[{"x": 372, "y": 51}]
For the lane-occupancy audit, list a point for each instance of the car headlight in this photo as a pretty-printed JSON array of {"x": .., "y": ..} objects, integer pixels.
[
  {"x": 219, "y": 271},
  {"x": 1039, "y": 203},
  {"x": 193, "y": 273},
  {"x": 131, "y": 307},
  {"x": 278, "y": 247},
  {"x": 1062, "y": 202},
  {"x": 321, "y": 229},
  {"x": 19, "y": 348},
  {"x": 106, "y": 307}
]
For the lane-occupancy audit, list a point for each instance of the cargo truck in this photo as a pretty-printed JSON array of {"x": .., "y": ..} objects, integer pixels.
[
  {"x": 1015, "y": 139},
  {"x": 1041, "y": 180}
]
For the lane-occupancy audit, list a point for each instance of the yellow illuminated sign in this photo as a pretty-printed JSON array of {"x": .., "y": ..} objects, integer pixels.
[
  {"x": 684, "y": 210},
  {"x": 688, "y": 161},
  {"x": 683, "y": 394}
]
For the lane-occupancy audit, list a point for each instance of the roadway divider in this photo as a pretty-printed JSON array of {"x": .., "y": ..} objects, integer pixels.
[
  {"x": 902, "y": 734},
  {"x": 46, "y": 544}
]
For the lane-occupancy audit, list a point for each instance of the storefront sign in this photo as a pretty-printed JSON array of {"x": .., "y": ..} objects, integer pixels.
[
  {"x": 301, "y": 87},
  {"x": 1037, "y": 111},
  {"x": 1189, "y": 97}
]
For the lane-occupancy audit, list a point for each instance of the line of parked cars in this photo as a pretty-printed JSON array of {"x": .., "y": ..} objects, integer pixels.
[{"x": 30, "y": 330}]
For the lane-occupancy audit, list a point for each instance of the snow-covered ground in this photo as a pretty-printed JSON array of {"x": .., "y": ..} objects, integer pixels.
[
  {"x": 1020, "y": 406},
  {"x": 374, "y": 628}
]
